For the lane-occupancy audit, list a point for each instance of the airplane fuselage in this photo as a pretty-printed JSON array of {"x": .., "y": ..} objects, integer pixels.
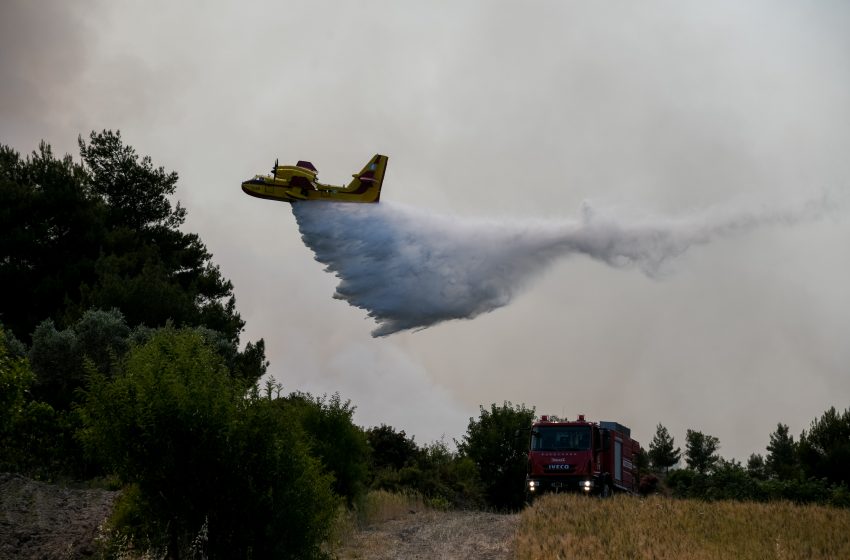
[{"x": 293, "y": 183}]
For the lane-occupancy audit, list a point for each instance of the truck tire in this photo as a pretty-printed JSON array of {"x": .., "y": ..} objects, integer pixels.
[{"x": 605, "y": 491}]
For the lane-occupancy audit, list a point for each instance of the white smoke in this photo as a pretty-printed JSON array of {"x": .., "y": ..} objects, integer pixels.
[{"x": 411, "y": 269}]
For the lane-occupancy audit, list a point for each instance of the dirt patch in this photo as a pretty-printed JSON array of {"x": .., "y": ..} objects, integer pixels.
[
  {"x": 434, "y": 534},
  {"x": 49, "y": 521}
]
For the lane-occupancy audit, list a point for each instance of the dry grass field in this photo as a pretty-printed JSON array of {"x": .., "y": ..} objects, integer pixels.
[
  {"x": 49, "y": 521},
  {"x": 569, "y": 526}
]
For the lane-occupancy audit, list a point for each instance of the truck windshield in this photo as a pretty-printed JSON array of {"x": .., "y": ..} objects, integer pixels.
[{"x": 560, "y": 438}]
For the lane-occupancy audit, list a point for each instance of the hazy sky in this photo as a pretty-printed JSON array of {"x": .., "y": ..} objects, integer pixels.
[{"x": 511, "y": 112}]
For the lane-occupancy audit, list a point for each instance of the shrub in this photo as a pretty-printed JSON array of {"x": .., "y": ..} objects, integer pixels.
[
  {"x": 203, "y": 458},
  {"x": 334, "y": 439},
  {"x": 34, "y": 439},
  {"x": 491, "y": 442}
]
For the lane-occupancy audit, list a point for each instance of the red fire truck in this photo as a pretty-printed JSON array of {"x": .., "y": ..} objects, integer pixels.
[{"x": 581, "y": 456}]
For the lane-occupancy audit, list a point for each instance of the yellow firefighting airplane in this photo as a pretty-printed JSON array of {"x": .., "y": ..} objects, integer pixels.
[{"x": 293, "y": 183}]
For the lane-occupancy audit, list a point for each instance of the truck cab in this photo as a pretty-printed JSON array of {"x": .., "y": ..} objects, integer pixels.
[{"x": 580, "y": 456}]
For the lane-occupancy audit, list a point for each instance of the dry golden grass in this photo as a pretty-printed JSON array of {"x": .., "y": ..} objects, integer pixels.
[
  {"x": 571, "y": 526},
  {"x": 380, "y": 505},
  {"x": 392, "y": 526},
  {"x": 376, "y": 507}
]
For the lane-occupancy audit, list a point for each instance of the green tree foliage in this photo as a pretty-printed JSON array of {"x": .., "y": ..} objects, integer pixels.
[
  {"x": 731, "y": 481},
  {"x": 103, "y": 234},
  {"x": 701, "y": 451},
  {"x": 136, "y": 194},
  {"x": 711, "y": 477},
  {"x": 277, "y": 501},
  {"x": 51, "y": 231},
  {"x": 164, "y": 425},
  {"x": 727, "y": 481},
  {"x": 390, "y": 449},
  {"x": 32, "y": 435},
  {"x": 782, "y": 462},
  {"x": 56, "y": 359},
  {"x": 16, "y": 378},
  {"x": 491, "y": 442},
  {"x": 824, "y": 449},
  {"x": 441, "y": 476},
  {"x": 151, "y": 270},
  {"x": 100, "y": 338},
  {"x": 202, "y": 457},
  {"x": 446, "y": 478},
  {"x": 335, "y": 440},
  {"x": 662, "y": 451},
  {"x": 62, "y": 361},
  {"x": 756, "y": 467},
  {"x": 14, "y": 348}
]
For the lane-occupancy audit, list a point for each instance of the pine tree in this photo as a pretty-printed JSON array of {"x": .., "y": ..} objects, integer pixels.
[
  {"x": 781, "y": 461},
  {"x": 756, "y": 467},
  {"x": 824, "y": 449},
  {"x": 104, "y": 234},
  {"x": 662, "y": 453},
  {"x": 701, "y": 451}
]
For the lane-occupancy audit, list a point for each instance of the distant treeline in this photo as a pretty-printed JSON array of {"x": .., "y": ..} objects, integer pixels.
[
  {"x": 120, "y": 365},
  {"x": 813, "y": 469}
]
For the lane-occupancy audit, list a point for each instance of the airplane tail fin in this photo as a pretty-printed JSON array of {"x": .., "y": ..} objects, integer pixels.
[{"x": 370, "y": 179}]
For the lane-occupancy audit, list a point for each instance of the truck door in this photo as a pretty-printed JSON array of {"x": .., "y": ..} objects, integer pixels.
[{"x": 618, "y": 460}]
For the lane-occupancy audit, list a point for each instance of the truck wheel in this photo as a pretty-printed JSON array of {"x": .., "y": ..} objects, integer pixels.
[{"x": 605, "y": 492}]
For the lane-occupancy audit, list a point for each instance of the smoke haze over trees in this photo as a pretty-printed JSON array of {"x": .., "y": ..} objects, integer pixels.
[{"x": 120, "y": 358}]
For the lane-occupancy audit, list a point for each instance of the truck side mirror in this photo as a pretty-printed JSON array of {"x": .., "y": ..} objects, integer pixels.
[{"x": 606, "y": 440}]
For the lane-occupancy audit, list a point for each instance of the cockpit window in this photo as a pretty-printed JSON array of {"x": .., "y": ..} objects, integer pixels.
[{"x": 560, "y": 438}]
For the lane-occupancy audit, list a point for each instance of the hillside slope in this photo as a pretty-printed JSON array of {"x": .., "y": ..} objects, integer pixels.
[{"x": 47, "y": 521}]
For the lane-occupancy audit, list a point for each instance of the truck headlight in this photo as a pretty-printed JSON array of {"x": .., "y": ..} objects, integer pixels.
[
  {"x": 532, "y": 485},
  {"x": 586, "y": 485}
]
